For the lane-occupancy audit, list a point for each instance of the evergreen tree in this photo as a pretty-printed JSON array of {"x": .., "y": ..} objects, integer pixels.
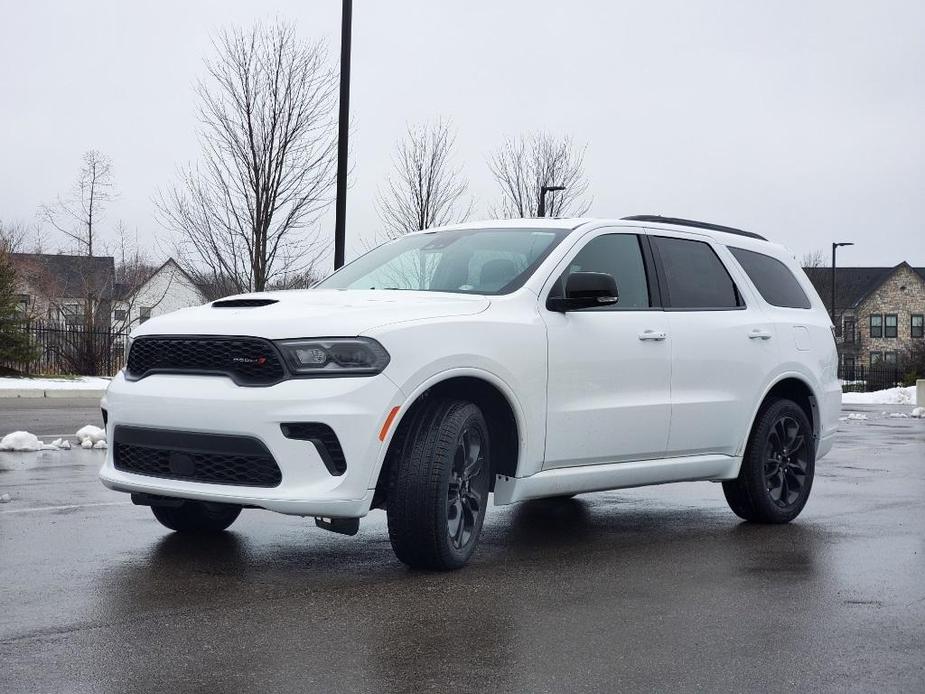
[{"x": 14, "y": 343}]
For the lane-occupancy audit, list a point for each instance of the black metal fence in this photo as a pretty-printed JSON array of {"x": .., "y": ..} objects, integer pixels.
[
  {"x": 864, "y": 379},
  {"x": 70, "y": 348}
]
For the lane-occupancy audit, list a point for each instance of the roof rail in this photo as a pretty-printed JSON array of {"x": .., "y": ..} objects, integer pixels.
[{"x": 691, "y": 223}]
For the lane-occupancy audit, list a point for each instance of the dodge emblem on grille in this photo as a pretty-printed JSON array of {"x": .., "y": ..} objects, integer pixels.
[{"x": 259, "y": 361}]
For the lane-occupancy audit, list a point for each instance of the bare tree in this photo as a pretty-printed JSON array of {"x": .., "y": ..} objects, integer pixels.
[
  {"x": 813, "y": 259},
  {"x": 268, "y": 159},
  {"x": 425, "y": 188},
  {"x": 12, "y": 236},
  {"x": 77, "y": 216},
  {"x": 523, "y": 165}
]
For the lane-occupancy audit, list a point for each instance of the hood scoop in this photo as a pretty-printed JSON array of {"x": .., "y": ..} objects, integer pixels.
[{"x": 243, "y": 303}]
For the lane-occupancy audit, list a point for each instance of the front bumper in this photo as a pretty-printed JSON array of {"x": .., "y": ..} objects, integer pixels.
[{"x": 355, "y": 408}]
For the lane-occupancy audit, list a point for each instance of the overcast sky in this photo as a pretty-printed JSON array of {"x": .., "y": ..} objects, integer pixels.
[{"x": 801, "y": 120}]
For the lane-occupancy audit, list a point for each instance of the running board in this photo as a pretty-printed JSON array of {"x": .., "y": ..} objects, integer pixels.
[{"x": 598, "y": 478}]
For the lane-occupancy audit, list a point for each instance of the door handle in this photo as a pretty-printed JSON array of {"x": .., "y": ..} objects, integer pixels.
[
  {"x": 758, "y": 334},
  {"x": 653, "y": 335}
]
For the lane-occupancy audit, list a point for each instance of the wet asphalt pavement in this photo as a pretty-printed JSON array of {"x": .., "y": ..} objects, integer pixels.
[{"x": 657, "y": 589}]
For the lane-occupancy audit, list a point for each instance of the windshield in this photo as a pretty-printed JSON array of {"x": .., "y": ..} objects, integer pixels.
[{"x": 472, "y": 261}]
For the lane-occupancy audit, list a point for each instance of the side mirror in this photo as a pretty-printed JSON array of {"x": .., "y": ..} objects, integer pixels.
[{"x": 585, "y": 290}]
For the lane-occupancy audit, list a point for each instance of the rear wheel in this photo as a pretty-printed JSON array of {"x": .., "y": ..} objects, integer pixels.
[
  {"x": 777, "y": 470},
  {"x": 197, "y": 516},
  {"x": 439, "y": 486}
]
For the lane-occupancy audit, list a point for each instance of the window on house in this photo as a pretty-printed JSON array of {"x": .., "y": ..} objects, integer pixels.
[
  {"x": 850, "y": 328},
  {"x": 918, "y": 325},
  {"x": 876, "y": 358},
  {"x": 889, "y": 358},
  {"x": 876, "y": 325},
  {"x": 848, "y": 369},
  {"x": 22, "y": 305},
  {"x": 144, "y": 313},
  {"x": 69, "y": 313},
  {"x": 118, "y": 314},
  {"x": 890, "y": 323}
]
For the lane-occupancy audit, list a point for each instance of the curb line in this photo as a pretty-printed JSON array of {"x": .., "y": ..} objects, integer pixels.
[{"x": 33, "y": 393}]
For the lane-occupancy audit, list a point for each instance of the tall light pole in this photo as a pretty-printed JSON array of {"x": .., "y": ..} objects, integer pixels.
[
  {"x": 835, "y": 247},
  {"x": 541, "y": 212},
  {"x": 343, "y": 125}
]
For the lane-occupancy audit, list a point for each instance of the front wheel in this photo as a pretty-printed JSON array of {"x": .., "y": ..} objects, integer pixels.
[
  {"x": 777, "y": 470},
  {"x": 439, "y": 486},
  {"x": 197, "y": 516}
]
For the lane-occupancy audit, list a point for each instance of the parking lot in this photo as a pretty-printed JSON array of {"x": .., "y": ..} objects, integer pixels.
[{"x": 657, "y": 589}]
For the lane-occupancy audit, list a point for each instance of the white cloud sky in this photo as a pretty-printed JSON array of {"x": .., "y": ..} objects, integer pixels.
[{"x": 802, "y": 121}]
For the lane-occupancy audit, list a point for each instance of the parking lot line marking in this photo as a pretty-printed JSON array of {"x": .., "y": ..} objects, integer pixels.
[{"x": 65, "y": 507}]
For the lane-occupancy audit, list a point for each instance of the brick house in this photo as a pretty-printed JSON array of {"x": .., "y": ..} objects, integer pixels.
[{"x": 880, "y": 313}]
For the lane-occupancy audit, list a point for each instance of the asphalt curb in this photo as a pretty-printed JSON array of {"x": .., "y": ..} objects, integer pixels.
[{"x": 16, "y": 393}]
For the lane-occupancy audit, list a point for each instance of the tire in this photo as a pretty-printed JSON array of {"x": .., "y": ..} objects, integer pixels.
[
  {"x": 778, "y": 467},
  {"x": 197, "y": 516},
  {"x": 438, "y": 488}
]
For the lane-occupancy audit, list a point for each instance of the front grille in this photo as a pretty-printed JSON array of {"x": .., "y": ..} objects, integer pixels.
[
  {"x": 209, "y": 458},
  {"x": 248, "y": 361}
]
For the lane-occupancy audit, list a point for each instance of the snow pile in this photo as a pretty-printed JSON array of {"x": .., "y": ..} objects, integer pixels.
[
  {"x": 22, "y": 441},
  {"x": 918, "y": 412},
  {"x": 855, "y": 417},
  {"x": 5, "y": 498},
  {"x": 890, "y": 396},
  {"x": 63, "y": 444},
  {"x": 90, "y": 433},
  {"x": 82, "y": 383}
]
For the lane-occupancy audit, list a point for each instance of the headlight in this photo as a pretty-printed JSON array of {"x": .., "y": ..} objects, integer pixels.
[{"x": 335, "y": 356}]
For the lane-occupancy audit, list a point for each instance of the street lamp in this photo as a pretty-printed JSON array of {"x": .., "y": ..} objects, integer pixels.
[
  {"x": 835, "y": 247},
  {"x": 343, "y": 122},
  {"x": 541, "y": 212}
]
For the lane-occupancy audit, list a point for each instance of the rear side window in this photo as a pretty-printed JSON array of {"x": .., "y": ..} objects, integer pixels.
[
  {"x": 694, "y": 276},
  {"x": 772, "y": 278}
]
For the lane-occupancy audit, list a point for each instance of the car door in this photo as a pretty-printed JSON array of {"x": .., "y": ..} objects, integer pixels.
[
  {"x": 608, "y": 394},
  {"x": 723, "y": 348}
]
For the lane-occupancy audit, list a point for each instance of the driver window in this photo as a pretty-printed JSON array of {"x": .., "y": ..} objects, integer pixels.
[{"x": 618, "y": 255}]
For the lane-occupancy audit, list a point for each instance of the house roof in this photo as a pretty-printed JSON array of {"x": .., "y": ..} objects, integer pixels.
[
  {"x": 125, "y": 290},
  {"x": 852, "y": 284},
  {"x": 66, "y": 276}
]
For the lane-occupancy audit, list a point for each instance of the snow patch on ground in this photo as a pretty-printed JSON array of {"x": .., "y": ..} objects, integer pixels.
[
  {"x": 89, "y": 437},
  {"x": 918, "y": 412},
  {"x": 21, "y": 441},
  {"x": 90, "y": 433},
  {"x": 890, "y": 396},
  {"x": 81, "y": 383},
  {"x": 854, "y": 417}
]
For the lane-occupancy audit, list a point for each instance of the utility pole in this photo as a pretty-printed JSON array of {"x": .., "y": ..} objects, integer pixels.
[
  {"x": 541, "y": 212},
  {"x": 343, "y": 125},
  {"x": 835, "y": 247}
]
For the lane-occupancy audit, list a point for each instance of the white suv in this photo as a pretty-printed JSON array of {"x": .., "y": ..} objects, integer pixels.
[{"x": 529, "y": 358}]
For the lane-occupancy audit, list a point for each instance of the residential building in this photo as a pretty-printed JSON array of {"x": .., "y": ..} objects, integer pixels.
[
  {"x": 167, "y": 289},
  {"x": 71, "y": 289},
  {"x": 879, "y": 313},
  {"x": 81, "y": 290}
]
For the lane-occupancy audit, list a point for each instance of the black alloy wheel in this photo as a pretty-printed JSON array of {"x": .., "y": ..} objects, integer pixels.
[
  {"x": 786, "y": 461},
  {"x": 439, "y": 483},
  {"x": 465, "y": 498},
  {"x": 777, "y": 469}
]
